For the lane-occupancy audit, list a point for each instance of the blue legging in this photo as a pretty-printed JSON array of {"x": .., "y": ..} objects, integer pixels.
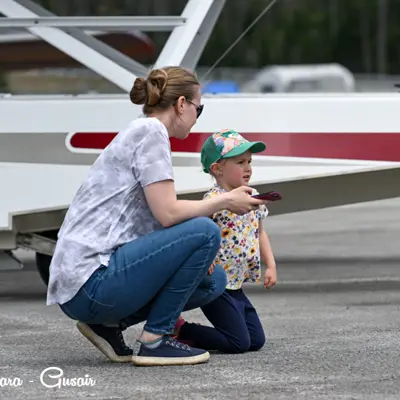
[
  {"x": 153, "y": 278},
  {"x": 237, "y": 327}
]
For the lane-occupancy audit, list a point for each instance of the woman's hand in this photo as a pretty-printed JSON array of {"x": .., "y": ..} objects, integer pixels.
[{"x": 241, "y": 202}]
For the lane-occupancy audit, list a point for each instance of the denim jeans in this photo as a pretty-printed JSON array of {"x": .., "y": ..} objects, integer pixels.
[
  {"x": 237, "y": 327},
  {"x": 153, "y": 278}
]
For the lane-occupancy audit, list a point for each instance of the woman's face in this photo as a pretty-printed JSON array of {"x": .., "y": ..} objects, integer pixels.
[{"x": 187, "y": 114}]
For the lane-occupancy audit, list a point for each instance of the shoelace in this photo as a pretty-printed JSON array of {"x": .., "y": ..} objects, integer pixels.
[
  {"x": 175, "y": 343},
  {"x": 122, "y": 341}
]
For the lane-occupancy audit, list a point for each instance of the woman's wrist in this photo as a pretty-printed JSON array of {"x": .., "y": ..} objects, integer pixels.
[{"x": 225, "y": 201}]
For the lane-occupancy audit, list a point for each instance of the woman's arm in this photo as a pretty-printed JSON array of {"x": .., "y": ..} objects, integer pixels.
[{"x": 168, "y": 210}]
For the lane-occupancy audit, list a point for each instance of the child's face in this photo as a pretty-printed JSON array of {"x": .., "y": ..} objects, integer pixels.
[{"x": 236, "y": 171}]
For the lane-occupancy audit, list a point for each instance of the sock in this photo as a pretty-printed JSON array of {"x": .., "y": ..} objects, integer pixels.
[{"x": 153, "y": 344}]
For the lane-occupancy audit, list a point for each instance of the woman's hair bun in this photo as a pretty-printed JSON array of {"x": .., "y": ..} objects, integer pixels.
[
  {"x": 163, "y": 87},
  {"x": 149, "y": 91},
  {"x": 156, "y": 84},
  {"x": 138, "y": 93}
]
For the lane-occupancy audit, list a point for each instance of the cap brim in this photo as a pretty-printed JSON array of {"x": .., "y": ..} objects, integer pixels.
[{"x": 254, "y": 147}]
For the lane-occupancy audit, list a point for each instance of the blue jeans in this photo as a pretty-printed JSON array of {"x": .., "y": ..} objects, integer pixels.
[
  {"x": 237, "y": 327},
  {"x": 153, "y": 278}
]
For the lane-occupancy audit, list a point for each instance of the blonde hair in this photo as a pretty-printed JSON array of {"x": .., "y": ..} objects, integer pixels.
[{"x": 163, "y": 87}]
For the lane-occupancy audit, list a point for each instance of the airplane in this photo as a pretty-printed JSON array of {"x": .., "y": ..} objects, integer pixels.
[
  {"x": 323, "y": 150},
  {"x": 22, "y": 51}
]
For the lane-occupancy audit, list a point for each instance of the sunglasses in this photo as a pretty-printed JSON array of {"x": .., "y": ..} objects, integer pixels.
[{"x": 199, "y": 109}]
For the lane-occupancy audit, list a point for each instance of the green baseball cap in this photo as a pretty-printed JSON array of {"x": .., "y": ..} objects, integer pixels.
[{"x": 226, "y": 144}]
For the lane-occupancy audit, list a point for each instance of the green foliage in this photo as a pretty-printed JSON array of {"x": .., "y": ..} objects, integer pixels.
[
  {"x": 3, "y": 83},
  {"x": 293, "y": 31}
]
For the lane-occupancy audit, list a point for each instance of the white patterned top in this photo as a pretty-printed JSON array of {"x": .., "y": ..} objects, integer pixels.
[{"x": 110, "y": 208}]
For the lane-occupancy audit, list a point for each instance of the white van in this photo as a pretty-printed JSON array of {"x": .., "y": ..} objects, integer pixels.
[{"x": 318, "y": 78}]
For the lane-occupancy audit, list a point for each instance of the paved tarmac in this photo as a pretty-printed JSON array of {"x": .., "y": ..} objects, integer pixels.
[{"x": 333, "y": 324}]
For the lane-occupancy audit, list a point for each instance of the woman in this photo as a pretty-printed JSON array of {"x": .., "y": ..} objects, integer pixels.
[{"x": 128, "y": 250}]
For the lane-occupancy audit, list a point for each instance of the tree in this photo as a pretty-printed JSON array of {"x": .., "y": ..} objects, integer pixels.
[{"x": 360, "y": 34}]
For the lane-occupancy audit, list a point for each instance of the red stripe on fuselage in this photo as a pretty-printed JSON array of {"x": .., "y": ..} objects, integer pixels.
[{"x": 356, "y": 146}]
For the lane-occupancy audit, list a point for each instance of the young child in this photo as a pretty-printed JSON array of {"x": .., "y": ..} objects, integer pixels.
[{"x": 226, "y": 155}]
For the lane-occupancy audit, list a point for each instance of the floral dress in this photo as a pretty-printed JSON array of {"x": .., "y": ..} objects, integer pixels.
[{"x": 239, "y": 253}]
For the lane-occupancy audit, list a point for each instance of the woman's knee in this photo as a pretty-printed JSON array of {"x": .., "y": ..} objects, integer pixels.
[
  {"x": 219, "y": 280},
  {"x": 211, "y": 237},
  {"x": 209, "y": 227}
]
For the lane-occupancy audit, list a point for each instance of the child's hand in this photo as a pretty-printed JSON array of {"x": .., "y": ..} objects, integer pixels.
[
  {"x": 270, "y": 277},
  {"x": 211, "y": 269}
]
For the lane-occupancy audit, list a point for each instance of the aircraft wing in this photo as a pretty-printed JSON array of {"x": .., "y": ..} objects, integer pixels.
[{"x": 36, "y": 196}]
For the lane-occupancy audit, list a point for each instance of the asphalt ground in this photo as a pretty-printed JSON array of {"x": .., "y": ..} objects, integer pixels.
[{"x": 332, "y": 322}]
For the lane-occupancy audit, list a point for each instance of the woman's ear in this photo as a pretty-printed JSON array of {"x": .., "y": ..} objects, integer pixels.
[{"x": 179, "y": 104}]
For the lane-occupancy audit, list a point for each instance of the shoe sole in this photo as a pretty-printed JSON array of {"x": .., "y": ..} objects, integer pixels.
[
  {"x": 101, "y": 344},
  {"x": 164, "y": 361}
]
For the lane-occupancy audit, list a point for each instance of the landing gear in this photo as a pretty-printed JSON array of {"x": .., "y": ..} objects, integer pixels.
[
  {"x": 43, "y": 261},
  {"x": 43, "y": 266}
]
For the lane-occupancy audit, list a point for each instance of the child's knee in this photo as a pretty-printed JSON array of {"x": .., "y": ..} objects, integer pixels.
[
  {"x": 239, "y": 345},
  {"x": 258, "y": 341}
]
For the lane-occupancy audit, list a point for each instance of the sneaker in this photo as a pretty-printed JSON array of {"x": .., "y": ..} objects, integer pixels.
[
  {"x": 170, "y": 352},
  {"x": 185, "y": 341},
  {"x": 108, "y": 340}
]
